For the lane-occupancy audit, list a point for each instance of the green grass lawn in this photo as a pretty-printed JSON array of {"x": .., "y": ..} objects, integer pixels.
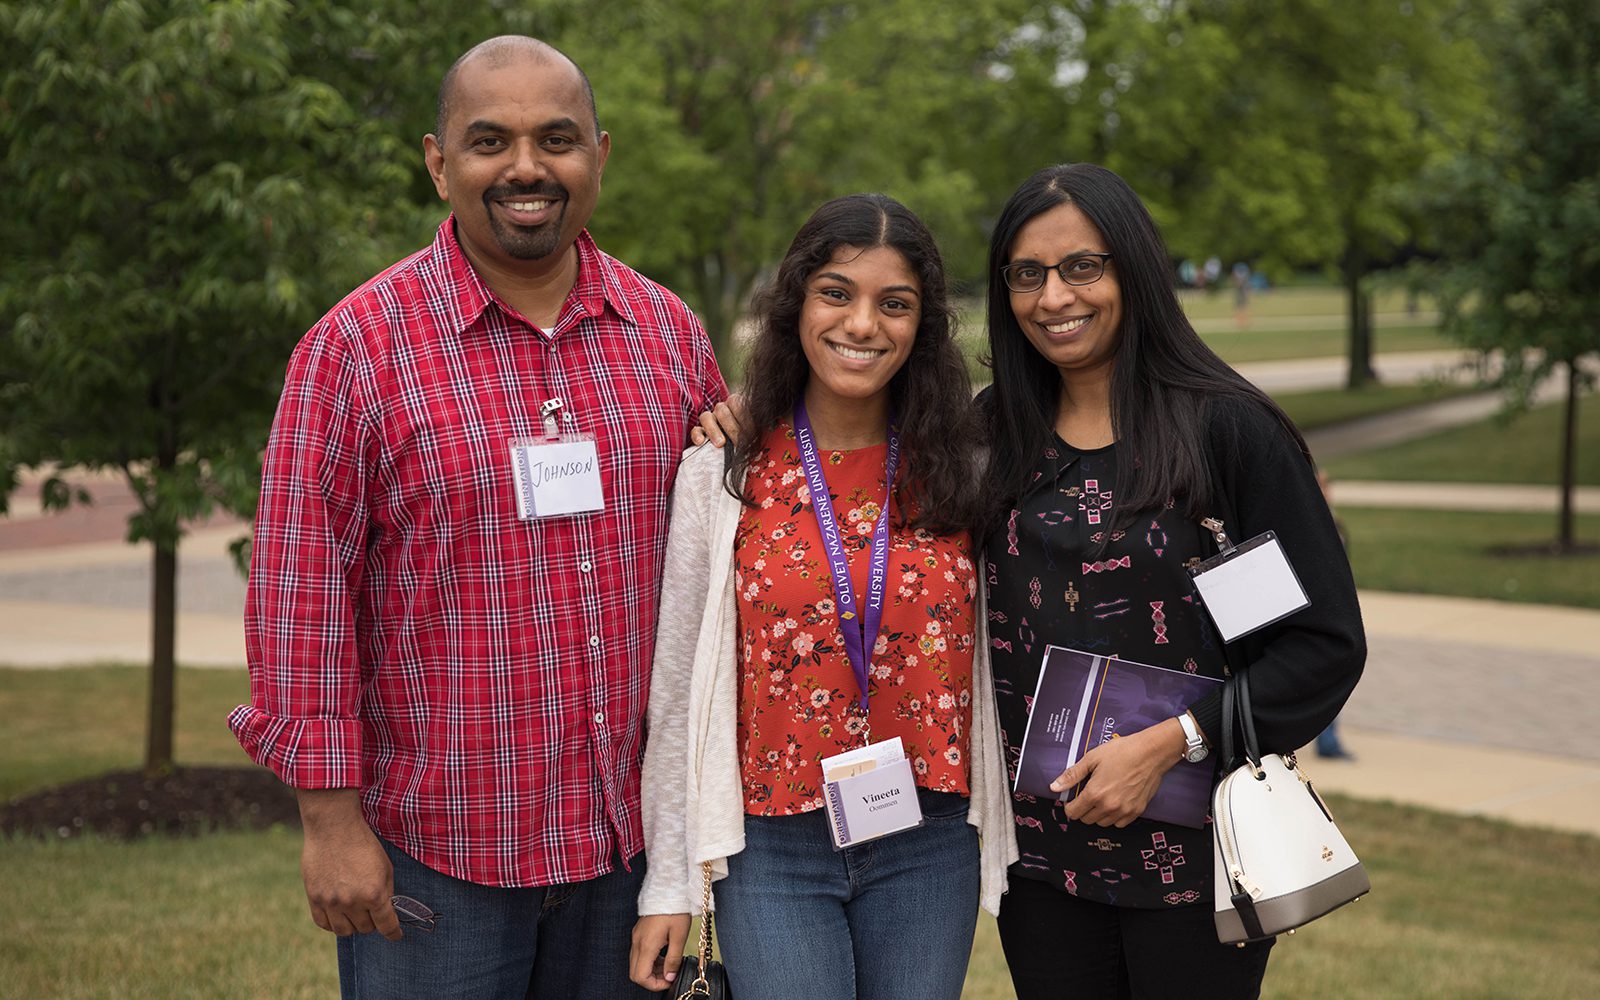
[
  {"x": 1461, "y": 908},
  {"x": 1525, "y": 451},
  {"x": 1447, "y": 552},
  {"x": 60, "y": 725},
  {"x": 1273, "y": 336},
  {"x": 1264, "y": 343},
  {"x": 1322, "y": 407},
  {"x": 1294, "y": 300}
]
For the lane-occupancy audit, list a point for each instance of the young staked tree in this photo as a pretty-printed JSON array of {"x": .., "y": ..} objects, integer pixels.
[
  {"x": 183, "y": 192},
  {"x": 1523, "y": 275}
]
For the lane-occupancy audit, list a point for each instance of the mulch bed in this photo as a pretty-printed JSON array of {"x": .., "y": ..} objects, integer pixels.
[{"x": 126, "y": 805}]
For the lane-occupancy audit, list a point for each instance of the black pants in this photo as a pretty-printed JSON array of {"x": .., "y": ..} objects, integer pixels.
[{"x": 1060, "y": 946}]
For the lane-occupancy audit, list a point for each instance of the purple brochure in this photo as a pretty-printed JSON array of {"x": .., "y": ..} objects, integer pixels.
[{"x": 1083, "y": 700}]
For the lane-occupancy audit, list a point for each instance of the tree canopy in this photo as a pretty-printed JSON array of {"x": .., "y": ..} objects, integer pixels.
[
  {"x": 1522, "y": 213},
  {"x": 186, "y": 186}
]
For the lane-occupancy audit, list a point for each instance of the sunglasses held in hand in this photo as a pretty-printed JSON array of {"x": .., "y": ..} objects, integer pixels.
[{"x": 414, "y": 914}]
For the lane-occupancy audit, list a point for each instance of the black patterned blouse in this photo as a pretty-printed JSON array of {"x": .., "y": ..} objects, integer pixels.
[{"x": 1051, "y": 583}]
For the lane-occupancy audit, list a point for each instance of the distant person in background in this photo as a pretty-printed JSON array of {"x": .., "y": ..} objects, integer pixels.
[
  {"x": 1328, "y": 745},
  {"x": 1241, "y": 294}
]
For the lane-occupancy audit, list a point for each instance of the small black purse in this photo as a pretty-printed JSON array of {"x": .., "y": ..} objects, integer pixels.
[{"x": 701, "y": 975}]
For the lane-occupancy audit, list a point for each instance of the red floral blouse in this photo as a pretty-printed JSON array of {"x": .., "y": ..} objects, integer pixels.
[{"x": 798, "y": 698}]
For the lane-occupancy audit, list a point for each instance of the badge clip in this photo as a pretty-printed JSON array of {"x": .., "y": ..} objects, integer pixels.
[
  {"x": 547, "y": 412},
  {"x": 1212, "y": 525}
]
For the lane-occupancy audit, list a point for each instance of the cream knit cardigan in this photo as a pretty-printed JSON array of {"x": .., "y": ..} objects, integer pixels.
[{"x": 693, "y": 798}]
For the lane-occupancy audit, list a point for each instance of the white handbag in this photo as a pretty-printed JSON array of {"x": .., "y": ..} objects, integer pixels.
[{"x": 1280, "y": 860}]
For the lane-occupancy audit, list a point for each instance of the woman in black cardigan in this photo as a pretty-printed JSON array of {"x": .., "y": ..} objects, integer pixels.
[{"x": 1115, "y": 430}]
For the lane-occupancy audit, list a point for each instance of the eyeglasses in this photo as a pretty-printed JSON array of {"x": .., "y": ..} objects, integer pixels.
[
  {"x": 414, "y": 913},
  {"x": 1082, "y": 269}
]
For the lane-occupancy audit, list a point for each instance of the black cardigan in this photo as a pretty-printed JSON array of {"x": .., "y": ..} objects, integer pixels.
[{"x": 1303, "y": 668}]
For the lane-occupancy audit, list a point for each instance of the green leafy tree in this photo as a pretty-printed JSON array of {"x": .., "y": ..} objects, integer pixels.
[
  {"x": 183, "y": 192},
  {"x": 1522, "y": 214},
  {"x": 1331, "y": 110},
  {"x": 732, "y": 121}
]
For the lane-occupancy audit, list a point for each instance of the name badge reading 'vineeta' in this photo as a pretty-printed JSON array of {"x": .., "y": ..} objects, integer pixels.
[
  {"x": 556, "y": 477},
  {"x": 869, "y": 792}
]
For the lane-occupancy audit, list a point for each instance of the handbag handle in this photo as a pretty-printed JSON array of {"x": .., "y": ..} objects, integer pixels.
[{"x": 1236, "y": 702}]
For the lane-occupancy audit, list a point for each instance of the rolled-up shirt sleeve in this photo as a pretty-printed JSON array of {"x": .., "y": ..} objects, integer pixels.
[{"x": 305, "y": 574}]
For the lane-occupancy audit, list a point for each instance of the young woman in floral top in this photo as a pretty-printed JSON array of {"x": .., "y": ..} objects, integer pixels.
[
  {"x": 1114, "y": 431},
  {"x": 754, "y": 685}
]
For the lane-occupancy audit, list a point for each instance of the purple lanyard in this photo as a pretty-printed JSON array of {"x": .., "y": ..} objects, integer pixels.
[{"x": 858, "y": 638}]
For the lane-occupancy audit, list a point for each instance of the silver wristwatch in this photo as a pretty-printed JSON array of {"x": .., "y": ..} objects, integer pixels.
[{"x": 1194, "y": 745}]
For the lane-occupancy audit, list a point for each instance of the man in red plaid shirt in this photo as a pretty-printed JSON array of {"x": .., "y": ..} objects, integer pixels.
[{"x": 456, "y": 565}]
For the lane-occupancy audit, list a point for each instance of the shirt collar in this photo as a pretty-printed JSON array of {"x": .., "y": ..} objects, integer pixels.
[{"x": 598, "y": 284}]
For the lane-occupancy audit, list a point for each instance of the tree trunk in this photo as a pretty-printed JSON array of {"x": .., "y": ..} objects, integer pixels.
[
  {"x": 723, "y": 290},
  {"x": 163, "y": 611},
  {"x": 1566, "y": 539},
  {"x": 1360, "y": 309},
  {"x": 714, "y": 304},
  {"x": 163, "y": 660}
]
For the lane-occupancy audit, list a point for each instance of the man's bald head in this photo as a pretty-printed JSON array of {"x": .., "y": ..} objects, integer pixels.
[{"x": 500, "y": 51}]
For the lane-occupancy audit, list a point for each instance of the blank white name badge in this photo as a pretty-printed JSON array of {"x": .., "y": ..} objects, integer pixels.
[
  {"x": 870, "y": 793},
  {"x": 556, "y": 476},
  {"x": 1249, "y": 586}
]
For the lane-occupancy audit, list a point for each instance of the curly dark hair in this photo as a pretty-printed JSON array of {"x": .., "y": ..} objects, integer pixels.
[
  {"x": 1165, "y": 377},
  {"x": 931, "y": 393}
]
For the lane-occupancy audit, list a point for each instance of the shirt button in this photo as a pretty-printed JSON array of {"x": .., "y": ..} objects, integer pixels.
[
  {"x": 594, "y": 640},
  {"x": 585, "y": 566},
  {"x": 599, "y": 718}
]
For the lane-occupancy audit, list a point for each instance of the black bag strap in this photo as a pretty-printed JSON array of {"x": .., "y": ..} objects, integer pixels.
[
  {"x": 1247, "y": 719},
  {"x": 1238, "y": 725},
  {"x": 1230, "y": 759}
]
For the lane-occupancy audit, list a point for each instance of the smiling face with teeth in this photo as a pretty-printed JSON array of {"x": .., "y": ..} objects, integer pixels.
[
  {"x": 519, "y": 162},
  {"x": 857, "y": 327},
  {"x": 1076, "y": 327}
]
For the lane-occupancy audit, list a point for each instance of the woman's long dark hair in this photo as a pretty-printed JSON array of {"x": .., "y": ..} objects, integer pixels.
[
  {"x": 1163, "y": 378},
  {"x": 930, "y": 393}
]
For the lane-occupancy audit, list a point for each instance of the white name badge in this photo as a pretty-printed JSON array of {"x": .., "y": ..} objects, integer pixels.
[
  {"x": 556, "y": 476},
  {"x": 876, "y": 796},
  {"x": 1249, "y": 586}
]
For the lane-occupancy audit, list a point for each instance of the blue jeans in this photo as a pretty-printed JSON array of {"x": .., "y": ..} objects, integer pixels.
[
  {"x": 561, "y": 941},
  {"x": 1328, "y": 744},
  {"x": 891, "y": 919}
]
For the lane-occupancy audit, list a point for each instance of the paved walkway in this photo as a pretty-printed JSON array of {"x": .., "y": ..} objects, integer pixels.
[
  {"x": 1321, "y": 321},
  {"x": 1305, "y": 374},
  {"x": 1506, "y": 497}
]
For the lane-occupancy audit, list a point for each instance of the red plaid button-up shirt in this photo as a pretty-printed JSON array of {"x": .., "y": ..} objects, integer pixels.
[{"x": 480, "y": 678}]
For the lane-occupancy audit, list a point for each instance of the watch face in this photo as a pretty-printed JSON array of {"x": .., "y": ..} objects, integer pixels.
[{"x": 1197, "y": 755}]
